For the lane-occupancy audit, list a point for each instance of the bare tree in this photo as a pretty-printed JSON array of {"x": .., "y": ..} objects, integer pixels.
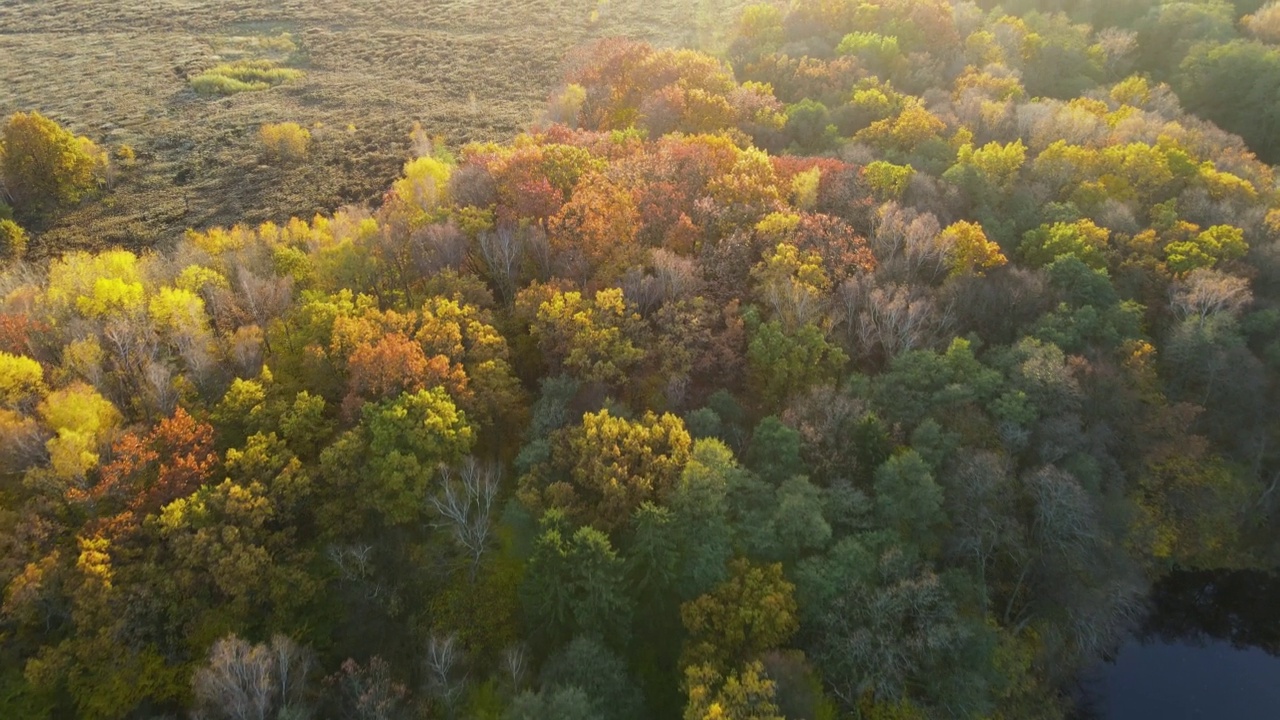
[
  {"x": 254, "y": 682},
  {"x": 370, "y": 692},
  {"x": 1118, "y": 48},
  {"x": 294, "y": 664},
  {"x": 894, "y": 318},
  {"x": 502, "y": 251},
  {"x": 1204, "y": 293},
  {"x": 515, "y": 662},
  {"x": 436, "y": 247},
  {"x": 355, "y": 565},
  {"x": 905, "y": 243},
  {"x": 979, "y": 486},
  {"x": 642, "y": 290},
  {"x": 444, "y": 655},
  {"x": 677, "y": 275},
  {"x": 465, "y": 505},
  {"x": 263, "y": 298},
  {"x": 160, "y": 387}
]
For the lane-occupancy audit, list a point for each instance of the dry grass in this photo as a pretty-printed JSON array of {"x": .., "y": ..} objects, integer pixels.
[{"x": 119, "y": 71}]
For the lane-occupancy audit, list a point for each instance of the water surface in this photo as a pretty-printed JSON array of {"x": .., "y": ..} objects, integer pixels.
[{"x": 1210, "y": 649}]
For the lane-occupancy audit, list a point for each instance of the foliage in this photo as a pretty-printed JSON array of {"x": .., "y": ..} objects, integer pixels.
[
  {"x": 44, "y": 167},
  {"x": 876, "y": 368},
  {"x": 285, "y": 141},
  {"x": 242, "y": 76}
]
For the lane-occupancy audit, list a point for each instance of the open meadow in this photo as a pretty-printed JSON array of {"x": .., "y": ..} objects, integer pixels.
[{"x": 119, "y": 72}]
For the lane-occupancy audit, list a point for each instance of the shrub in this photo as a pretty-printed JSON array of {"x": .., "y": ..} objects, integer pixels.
[
  {"x": 13, "y": 241},
  {"x": 242, "y": 76},
  {"x": 43, "y": 166},
  {"x": 285, "y": 141}
]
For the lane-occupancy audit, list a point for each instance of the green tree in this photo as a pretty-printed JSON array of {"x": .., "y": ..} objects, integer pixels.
[
  {"x": 1082, "y": 240},
  {"x": 1207, "y": 249},
  {"x": 908, "y": 500},
  {"x": 782, "y": 363},
  {"x": 1235, "y": 85},
  {"x": 587, "y": 664},
  {"x": 383, "y": 468},
  {"x": 560, "y": 703},
  {"x": 774, "y": 451},
  {"x": 575, "y": 584}
]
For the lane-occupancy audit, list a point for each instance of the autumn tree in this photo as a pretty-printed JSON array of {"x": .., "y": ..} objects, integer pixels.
[
  {"x": 742, "y": 694},
  {"x": 597, "y": 338},
  {"x": 149, "y": 471},
  {"x": 44, "y": 167},
  {"x": 752, "y": 611},
  {"x": 13, "y": 241},
  {"x": 595, "y": 231},
  {"x": 600, "y": 471}
]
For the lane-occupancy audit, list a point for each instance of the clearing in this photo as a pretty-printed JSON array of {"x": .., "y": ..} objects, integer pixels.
[{"x": 118, "y": 71}]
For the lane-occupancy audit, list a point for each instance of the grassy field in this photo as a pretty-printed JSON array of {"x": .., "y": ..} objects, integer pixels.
[{"x": 118, "y": 71}]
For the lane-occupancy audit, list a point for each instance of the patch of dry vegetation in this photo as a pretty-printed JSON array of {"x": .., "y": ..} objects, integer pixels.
[{"x": 121, "y": 72}]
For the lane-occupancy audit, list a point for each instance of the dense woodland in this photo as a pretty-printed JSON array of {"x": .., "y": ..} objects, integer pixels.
[{"x": 875, "y": 368}]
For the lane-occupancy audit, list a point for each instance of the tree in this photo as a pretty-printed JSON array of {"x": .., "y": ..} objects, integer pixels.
[
  {"x": 1233, "y": 84},
  {"x": 792, "y": 285},
  {"x": 13, "y": 241},
  {"x": 699, "y": 514},
  {"x": 150, "y": 471},
  {"x": 969, "y": 250},
  {"x": 561, "y": 703},
  {"x": 754, "y": 610},
  {"x": 1207, "y": 249},
  {"x": 602, "y": 470},
  {"x": 594, "y": 233},
  {"x": 587, "y": 664},
  {"x": 44, "y": 167},
  {"x": 1082, "y": 239},
  {"x": 575, "y": 585},
  {"x": 254, "y": 682},
  {"x": 883, "y": 625},
  {"x": 745, "y": 694},
  {"x": 782, "y": 363},
  {"x": 774, "y": 451},
  {"x": 104, "y": 678},
  {"x": 597, "y": 339},
  {"x": 369, "y": 692},
  {"x": 83, "y": 421},
  {"x": 21, "y": 381},
  {"x": 465, "y": 504},
  {"x": 908, "y": 500},
  {"x": 402, "y": 442}
]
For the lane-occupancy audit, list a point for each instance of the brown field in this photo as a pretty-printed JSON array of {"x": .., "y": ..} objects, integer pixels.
[{"x": 117, "y": 70}]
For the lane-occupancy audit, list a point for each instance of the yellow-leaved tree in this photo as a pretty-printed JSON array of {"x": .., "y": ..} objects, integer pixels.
[{"x": 44, "y": 167}]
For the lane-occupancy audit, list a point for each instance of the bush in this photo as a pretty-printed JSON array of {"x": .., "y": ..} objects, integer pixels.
[
  {"x": 242, "y": 76},
  {"x": 44, "y": 167},
  {"x": 13, "y": 241},
  {"x": 285, "y": 141}
]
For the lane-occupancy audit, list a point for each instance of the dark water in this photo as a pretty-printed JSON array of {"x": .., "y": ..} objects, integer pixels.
[{"x": 1210, "y": 649}]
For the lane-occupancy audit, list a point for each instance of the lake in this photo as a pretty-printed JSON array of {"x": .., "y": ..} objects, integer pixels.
[{"x": 1210, "y": 649}]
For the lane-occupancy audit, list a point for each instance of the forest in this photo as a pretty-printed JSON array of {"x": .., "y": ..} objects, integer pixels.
[{"x": 875, "y": 365}]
